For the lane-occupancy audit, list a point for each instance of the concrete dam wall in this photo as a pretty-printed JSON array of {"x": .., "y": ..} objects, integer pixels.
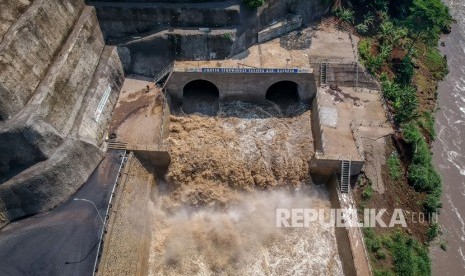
[
  {"x": 246, "y": 87},
  {"x": 55, "y": 71},
  {"x": 143, "y": 31}
]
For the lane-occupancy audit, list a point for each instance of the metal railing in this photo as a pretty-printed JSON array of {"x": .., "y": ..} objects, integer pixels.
[{"x": 158, "y": 77}]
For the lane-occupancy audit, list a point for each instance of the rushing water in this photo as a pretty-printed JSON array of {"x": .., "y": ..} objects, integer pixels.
[
  {"x": 449, "y": 149},
  {"x": 228, "y": 175}
]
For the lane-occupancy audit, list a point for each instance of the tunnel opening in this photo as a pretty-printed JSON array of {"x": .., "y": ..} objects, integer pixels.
[
  {"x": 284, "y": 94},
  {"x": 201, "y": 96}
]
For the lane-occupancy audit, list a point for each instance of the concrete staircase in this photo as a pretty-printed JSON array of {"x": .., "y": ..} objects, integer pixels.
[{"x": 345, "y": 176}]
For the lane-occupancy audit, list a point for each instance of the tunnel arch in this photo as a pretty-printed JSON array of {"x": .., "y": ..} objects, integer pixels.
[
  {"x": 201, "y": 96},
  {"x": 283, "y": 93}
]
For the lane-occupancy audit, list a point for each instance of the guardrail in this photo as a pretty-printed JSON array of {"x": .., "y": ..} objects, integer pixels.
[
  {"x": 164, "y": 72},
  {"x": 112, "y": 195}
]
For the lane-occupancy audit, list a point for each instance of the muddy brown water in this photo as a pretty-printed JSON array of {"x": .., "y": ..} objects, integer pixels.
[{"x": 449, "y": 149}]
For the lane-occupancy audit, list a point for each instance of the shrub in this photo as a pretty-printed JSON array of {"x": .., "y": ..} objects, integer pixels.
[
  {"x": 433, "y": 231},
  {"x": 254, "y": 3},
  {"x": 346, "y": 15},
  {"x": 403, "y": 99},
  {"x": 409, "y": 256},
  {"x": 427, "y": 122},
  {"x": 432, "y": 203},
  {"x": 429, "y": 17},
  {"x": 424, "y": 177},
  {"x": 362, "y": 28},
  {"x": 367, "y": 193},
  {"x": 411, "y": 133}
]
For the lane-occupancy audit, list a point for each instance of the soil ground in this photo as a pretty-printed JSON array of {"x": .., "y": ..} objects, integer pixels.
[{"x": 137, "y": 115}]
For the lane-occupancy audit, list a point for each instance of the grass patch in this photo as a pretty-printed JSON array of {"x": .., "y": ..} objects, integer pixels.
[
  {"x": 408, "y": 256},
  {"x": 395, "y": 167}
]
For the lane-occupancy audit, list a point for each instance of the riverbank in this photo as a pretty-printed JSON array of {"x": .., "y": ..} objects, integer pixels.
[{"x": 399, "y": 46}]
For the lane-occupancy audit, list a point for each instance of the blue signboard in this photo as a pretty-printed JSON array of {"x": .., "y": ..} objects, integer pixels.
[{"x": 250, "y": 70}]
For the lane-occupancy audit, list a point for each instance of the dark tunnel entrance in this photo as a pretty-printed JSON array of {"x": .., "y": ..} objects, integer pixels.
[
  {"x": 283, "y": 93},
  {"x": 200, "y": 96}
]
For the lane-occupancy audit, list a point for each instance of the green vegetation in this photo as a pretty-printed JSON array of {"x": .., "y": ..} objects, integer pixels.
[
  {"x": 433, "y": 231},
  {"x": 395, "y": 167},
  {"x": 228, "y": 36},
  {"x": 409, "y": 257},
  {"x": 422, "y": 174},
  {"x": 367, "y": 193},
  {"x": 346, "y": 15},
  {"x": 254, "y": 3},
  {"x": 443, "y": 246},
  {"x": 427, "y": 123},
  {"x": 399, "y": 47},
  {"x": 403, "y": 99}
]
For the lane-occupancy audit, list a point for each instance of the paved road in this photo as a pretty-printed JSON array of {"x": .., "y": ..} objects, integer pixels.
[{"x": 54, "y": 243}]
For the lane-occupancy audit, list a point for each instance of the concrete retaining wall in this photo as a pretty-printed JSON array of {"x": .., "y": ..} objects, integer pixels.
[
  {"x": 39, "y": 154},
  {"x": 247, "y": 87},
  {"x": 70, "y": 75},
  {"x": 317, "y": 131},
  {"x": 289, "y": 24},
  {"x": 109, "y": 73},
  {"x": 51, "y": 113},
  {"x": 46, "y": 184},
  {"x": 10, "y": 11},
  {"x": 236, "y": 28},
  {"x": 29, "y": 47},
  {"x": 350, "y": 242},
  {"x": 342, "y": 236},
  {"x": 149, "y": 55},
  {"x": 124, "y": 19}
]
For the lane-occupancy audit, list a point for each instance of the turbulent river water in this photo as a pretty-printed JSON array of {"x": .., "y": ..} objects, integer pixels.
[
  {"x": 449, "y": 149},
  {"x": 216, "y": 215}
]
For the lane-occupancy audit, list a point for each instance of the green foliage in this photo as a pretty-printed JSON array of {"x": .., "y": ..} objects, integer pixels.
[
  {"x": 409, "y": 256},
  {"x": 254, "y": 3},
  {"x": 424, "y": 178},
  {"x": 345, "y": 14},
  {"x": 429, "y": 18},
  {"x": 404, "y": 72},
  {"x": 390, "y": 34},
  {"x": 433, "y": 231},
  {"x": 372, "y": 62},
  {"x": 362, "y": 28},
  {"x": 403, "y": 100},
  {"x": 395, "y": 167},
  {"x": 411, "y": 133},
  {"x": 228, "y": 36},
  {"x": 422, "y": 174},
  {"x": 432, "y": 203},
  {"x": 427, "y": 122},
  {"x": 367, "y": 193},
  {"x": 382, "y": 272},
  {"x": 436, "y": 63}
]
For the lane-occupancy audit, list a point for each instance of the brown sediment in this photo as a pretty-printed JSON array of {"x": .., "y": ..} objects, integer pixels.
[{"x": 214, "y": 158}]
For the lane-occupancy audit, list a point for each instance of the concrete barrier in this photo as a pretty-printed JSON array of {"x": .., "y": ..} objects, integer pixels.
[{"x": 247, "y": 87}]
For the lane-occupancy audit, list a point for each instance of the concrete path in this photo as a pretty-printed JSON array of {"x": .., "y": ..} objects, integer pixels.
[{"x": 64, "y": 240}]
